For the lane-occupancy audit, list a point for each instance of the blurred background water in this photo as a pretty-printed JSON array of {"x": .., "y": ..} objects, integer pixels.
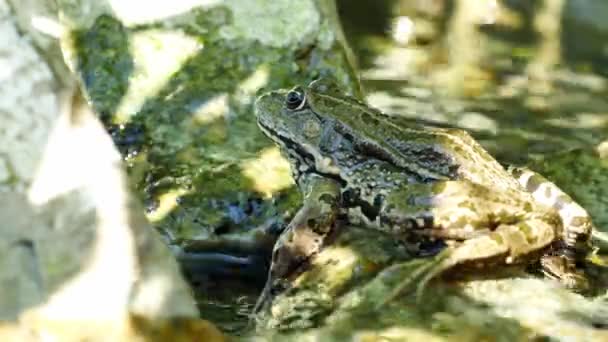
[{"x": 526, "y": 77}]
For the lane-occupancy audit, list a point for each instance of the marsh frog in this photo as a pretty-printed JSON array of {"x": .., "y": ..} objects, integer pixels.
[{"x": 432, "y": 188}]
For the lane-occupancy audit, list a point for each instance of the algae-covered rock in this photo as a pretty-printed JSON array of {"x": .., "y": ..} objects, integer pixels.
[
  {"x": 348, "y": 262},
  {"x": 175, "y": 89},
  {"x": 341, "y": 297},
  {"x": 174, "y": 85}
]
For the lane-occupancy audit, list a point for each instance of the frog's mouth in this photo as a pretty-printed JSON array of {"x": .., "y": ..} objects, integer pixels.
[
  {"x": 303, "y": 153},
  {"x": 289, "y": 145}
]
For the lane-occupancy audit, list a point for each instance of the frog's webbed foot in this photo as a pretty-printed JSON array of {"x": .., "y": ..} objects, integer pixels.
[
  {"x": 563, "y": 269},
  {"x": 271, "y": 287},
  {"x": 424, "y": 271},
  {"x": 304, "y": 236},
  {"x": 264, "y": 299}
]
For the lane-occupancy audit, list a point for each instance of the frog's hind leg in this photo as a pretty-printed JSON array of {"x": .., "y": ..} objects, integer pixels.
[
  {"x": 507, "y": 244},
  {"x": 576, "y": 221},
  {"x": 577, "y": 228}
]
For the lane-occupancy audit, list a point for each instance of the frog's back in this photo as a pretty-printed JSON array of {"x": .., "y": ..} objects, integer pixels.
[
  {"x": 433, "y": 153},
  {"x": 452, "y": 153},
  {"x": 474, "y": 162}
]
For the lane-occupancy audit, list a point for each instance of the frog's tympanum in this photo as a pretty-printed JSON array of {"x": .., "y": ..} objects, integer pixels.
[{"x": 426, "y": 186}]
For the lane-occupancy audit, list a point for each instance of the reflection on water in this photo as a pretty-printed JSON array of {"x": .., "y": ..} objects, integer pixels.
[{"x": 509, "y": 71}]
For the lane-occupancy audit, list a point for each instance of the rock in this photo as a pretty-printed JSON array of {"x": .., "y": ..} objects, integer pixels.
[
  {"x": 174, "y": 85},
  {"x": 133, "y": 328},
  {"x": 339, "y": 298},
  {"x": 176, "y": 95},
  {"x": 76, "y": 249}
]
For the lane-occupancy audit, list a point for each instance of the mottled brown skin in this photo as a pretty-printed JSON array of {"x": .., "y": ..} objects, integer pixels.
[
  {"x": 422, "y": 184},
  {"x": 305, "y": 234}
]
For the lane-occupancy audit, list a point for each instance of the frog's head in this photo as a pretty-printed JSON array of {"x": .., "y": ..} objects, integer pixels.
[{"x": 290, "y": 119}]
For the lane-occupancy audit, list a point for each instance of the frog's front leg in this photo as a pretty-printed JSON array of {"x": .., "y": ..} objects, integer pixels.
[
  {"x": 560, "y": 264},
  {"x": 305, "y": 234}
]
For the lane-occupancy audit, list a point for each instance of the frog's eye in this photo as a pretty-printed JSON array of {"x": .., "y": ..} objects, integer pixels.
[{"x": 295, "y": 99}]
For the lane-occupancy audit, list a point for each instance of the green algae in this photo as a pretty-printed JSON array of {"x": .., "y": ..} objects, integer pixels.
[
  {"x": 104, "y": 63},
  {"x": 172, "y": 142}
]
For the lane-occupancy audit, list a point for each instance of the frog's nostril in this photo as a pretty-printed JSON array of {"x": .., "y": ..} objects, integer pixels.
[{"x": 262, "y": 91}]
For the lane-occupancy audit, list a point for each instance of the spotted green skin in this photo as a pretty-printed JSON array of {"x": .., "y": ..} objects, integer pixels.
[{"x": 425, "y": 185}]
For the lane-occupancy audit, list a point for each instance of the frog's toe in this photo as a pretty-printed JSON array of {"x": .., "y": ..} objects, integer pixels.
[
  {"x": 424, "y": 271},
  {"x": 440, "y": 263},
  {"x": 562, "y": 269}
]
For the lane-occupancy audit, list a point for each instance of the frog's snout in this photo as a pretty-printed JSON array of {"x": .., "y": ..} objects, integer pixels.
[
  {"x": 258, "y": 105},
  {"x": 268, "y": 103}
]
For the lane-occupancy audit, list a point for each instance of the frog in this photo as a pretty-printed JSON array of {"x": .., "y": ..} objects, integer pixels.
[{"x": 435, "y": 189}]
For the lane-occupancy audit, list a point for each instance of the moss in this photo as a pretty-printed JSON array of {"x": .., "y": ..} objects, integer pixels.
[
  {"x": 181, "y": 149},
  {"x": 337, "y": 311},
  {"x": 171, "y": 140},
  {"x": 104, "y": 63}
]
